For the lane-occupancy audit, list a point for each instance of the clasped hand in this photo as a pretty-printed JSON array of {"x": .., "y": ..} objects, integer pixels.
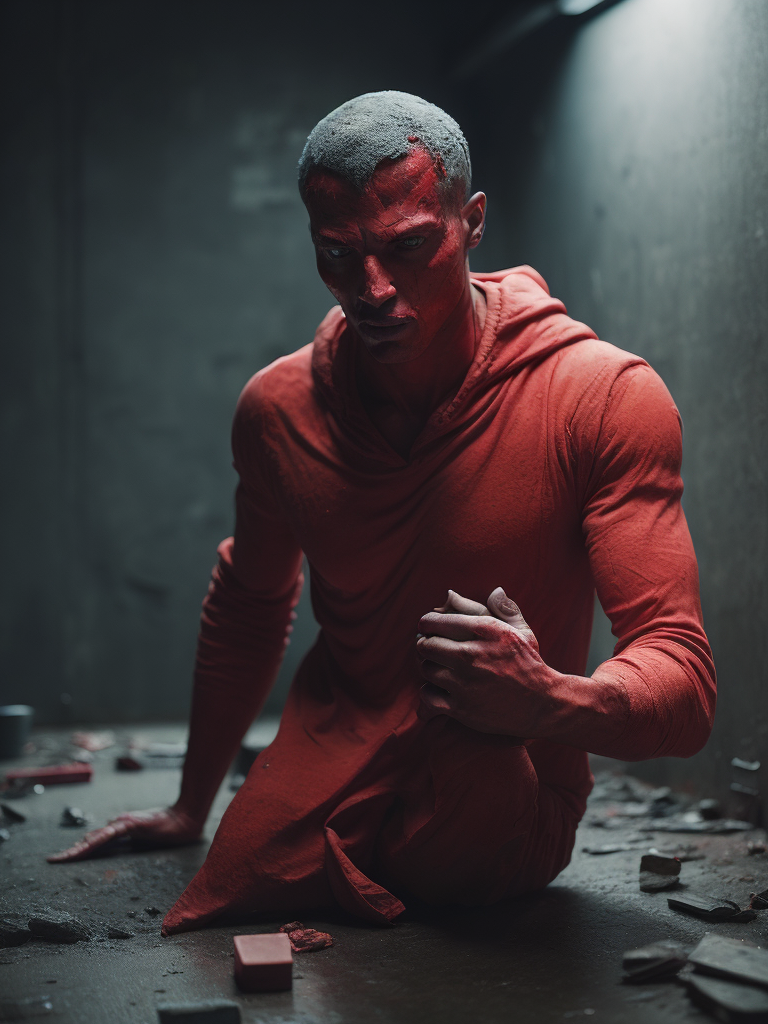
[{"x": 483, "y": 668}]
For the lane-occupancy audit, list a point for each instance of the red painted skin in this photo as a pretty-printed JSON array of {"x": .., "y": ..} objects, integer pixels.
[{"x": 484, "y": 439}]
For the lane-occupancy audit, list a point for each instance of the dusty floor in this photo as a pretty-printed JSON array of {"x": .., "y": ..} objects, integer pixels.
[{"x": 553, "y": 956}]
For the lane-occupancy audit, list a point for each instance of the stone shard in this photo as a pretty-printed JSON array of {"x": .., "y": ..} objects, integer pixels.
[
  {"x": 713, "y": 908},
  {"x": 657, "y": 960},
  {"x": 731, "y": 958},
  {"x": 727, "y": 1000},
  {"x": 220, "y": 1011},
  {"x": 658, "y": 872},
  {"x": 57, "y": 927}
]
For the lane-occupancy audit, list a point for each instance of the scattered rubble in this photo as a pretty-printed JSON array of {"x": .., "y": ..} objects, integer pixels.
[
  {"x": 658, "y": 872},
  {"x": 746, "y": 766},
  {"x": 758, "y": 900},
  {"x": 222, "y": 1011},
  {"x": 5, "y": 835},
  {"x": 731, "y": 958},
  {"x": 729, "y": 1001},
  {"x": 153, "y": 911},
  {"x": 93, "y": 741},
  {"x": 12, "y": 815},
  {"x": 654, "y": 962},
  {"x": 73, "y": 817},
  {"x": 119, "y": 933},
  {"x": 306, "y": 940},
  {"x": 58, "y": 927},
  {"x": 604, "y": 848},
  {"x": 263, "y": 963},
  {"x": 51, "y": 775},
  {"x": 713, "y": 908}
]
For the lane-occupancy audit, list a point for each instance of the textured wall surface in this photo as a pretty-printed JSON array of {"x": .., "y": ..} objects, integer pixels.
[
  {"x": 156, "y": 254},
  {"x": 628, "y": 161}
]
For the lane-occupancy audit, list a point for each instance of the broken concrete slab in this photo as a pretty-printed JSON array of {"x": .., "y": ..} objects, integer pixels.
[
  {"x": 731, "y": 958},
  {"x": 730, "y": 1001},
  {"x": 713, "y": 908},
  {"x": 58, "y": 927},
  {"x": 221, "y": 1011},
  {"x": 653, "y": 962},
  {"x": 658, "y": 872}
]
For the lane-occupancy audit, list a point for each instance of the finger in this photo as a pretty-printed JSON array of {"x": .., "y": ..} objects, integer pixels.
[
  {"x": 90, "y": 842},
  {"x": 462, "y": 605},
  {"x": 452, "y": 626},
  {"x": 451, "y": 654},
  {"x": 436, "y": 699},
  {"x": 508, "y": 611},
  {"x": 441, "y": 676}
]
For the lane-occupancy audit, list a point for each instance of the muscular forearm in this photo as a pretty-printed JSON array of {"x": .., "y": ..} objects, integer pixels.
[{"x": 585, "y": 713}]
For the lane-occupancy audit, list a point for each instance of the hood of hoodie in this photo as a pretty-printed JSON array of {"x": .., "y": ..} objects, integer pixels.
[{"x": 523, "y": 324}]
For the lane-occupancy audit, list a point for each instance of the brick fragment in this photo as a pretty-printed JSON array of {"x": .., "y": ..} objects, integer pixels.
[
  {"x": 263, "y": 963},
  {"x": 221, "y": 1011}
]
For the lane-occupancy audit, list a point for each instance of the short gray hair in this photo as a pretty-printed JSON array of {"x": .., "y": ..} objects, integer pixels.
[{"x": 354, "y": 138}]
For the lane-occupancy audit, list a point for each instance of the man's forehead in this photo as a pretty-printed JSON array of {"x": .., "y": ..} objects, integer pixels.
[{"x": 400, "y": 187}]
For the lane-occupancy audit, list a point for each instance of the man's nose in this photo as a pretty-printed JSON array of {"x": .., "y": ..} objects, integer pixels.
[{"x": 378, "y": 287}]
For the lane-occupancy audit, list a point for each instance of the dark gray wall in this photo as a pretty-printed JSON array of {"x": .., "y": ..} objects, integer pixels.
[
  {"x": 155, "y": 255},
  {"x": 627, "y": 159}
]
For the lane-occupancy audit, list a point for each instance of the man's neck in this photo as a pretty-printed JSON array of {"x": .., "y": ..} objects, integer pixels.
[{"x": 400, "y": 397}]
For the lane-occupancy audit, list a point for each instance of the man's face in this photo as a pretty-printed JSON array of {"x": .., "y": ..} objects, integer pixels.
[{"x": 394, "y": 257}]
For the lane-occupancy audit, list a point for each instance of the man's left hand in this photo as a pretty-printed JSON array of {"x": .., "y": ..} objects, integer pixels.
[{"x": 485, "y": 670}]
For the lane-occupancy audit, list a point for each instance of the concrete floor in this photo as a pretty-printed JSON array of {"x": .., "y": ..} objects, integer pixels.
[{"x": 553, "y": 956}]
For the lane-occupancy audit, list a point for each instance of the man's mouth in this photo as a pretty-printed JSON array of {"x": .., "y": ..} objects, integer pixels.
[{"x": 384, "y": 327}]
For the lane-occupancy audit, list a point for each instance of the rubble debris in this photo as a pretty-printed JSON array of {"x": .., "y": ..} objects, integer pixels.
[
  {"x": 690, "y": 823},
  {"x": 12, "y": 934},
  {"x": 658, "y": 872},
  {"x": 604, "y": 848},
  {"x": 153, "y": 911},
  {"x": 263, "y": 963},
  {"x": 709, "y": 809},
  {"x": 729, "y": 1001},
  {"x": 758, "y": 900},
  {"x": 755, "y": 848},
  {"x": 737, "y": 787},
  {"x": 5, "y": 835},
  {"x": 731, "y": 958},
  {"x": 14, "y": 816},
  {"x": 73, "y": 817},
  {"x": 653, "y": 962},
  {"x": 128, "y": 763},
  {"x": 683, "y": 852},
  {"x": 93, "y": 741},
  {"x": 52, "y": 775},
  {"x": 59, "y": 927},
  {"x": 221, "y": 1011},
  {"x": 713, "y": 908},
  {"x": 746, "y": 766},
  {"x": 306, "y": 940},
  {"x": 119, "y": 933}
]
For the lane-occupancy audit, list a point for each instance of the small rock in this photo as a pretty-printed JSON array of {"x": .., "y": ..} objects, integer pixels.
[
  {"x": 223, "y": 1011},
  {"x": 12, "y": 814},
  {"x": 73, "y": 817},
  {"x": 152, "y": 910},
  {"x": 5, "y": 835},
  {"x": 56, "y": 927},
  {"x": 13, "y": 934},
  {"x": 119, "y": 933}
]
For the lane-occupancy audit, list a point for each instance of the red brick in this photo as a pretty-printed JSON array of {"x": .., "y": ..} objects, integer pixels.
[{"x": 263, "y": 963}]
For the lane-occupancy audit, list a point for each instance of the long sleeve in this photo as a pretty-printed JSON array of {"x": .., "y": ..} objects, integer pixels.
[
  {"x": 643, "y": 564},
  {"x": 245, "y": 619}
]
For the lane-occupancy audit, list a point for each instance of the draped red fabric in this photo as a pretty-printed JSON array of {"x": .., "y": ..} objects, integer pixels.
[{"x": 555, "y": 469}]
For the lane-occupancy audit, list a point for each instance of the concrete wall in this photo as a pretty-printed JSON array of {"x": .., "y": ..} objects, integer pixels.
[
  {"x": 156, "y": 255},
  {"x": 627, "y": 159}
]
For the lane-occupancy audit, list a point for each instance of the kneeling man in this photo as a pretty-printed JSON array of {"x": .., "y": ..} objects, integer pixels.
[{"x": 446, "y": 432}]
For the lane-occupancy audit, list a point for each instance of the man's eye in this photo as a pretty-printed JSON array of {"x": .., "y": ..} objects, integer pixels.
[
  {"x": 336, "y": 254},
  {"x": 413, "y": 242}
]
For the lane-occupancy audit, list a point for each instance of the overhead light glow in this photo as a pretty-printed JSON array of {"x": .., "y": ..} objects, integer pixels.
[{"x": 576, "y": 6}]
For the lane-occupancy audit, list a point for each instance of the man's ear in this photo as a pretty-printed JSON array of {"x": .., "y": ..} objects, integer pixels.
[{"x": 473, "y": 215}]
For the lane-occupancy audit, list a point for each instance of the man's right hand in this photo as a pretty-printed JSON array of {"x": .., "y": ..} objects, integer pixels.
[{"x": 145, "y": 829}]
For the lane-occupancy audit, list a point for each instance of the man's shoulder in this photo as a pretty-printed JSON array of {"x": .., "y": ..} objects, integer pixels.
[{"x": 281, "y": 384}]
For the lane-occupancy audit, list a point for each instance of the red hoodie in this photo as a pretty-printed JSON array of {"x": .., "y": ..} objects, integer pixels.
[{"x": 553, "y": 471}]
